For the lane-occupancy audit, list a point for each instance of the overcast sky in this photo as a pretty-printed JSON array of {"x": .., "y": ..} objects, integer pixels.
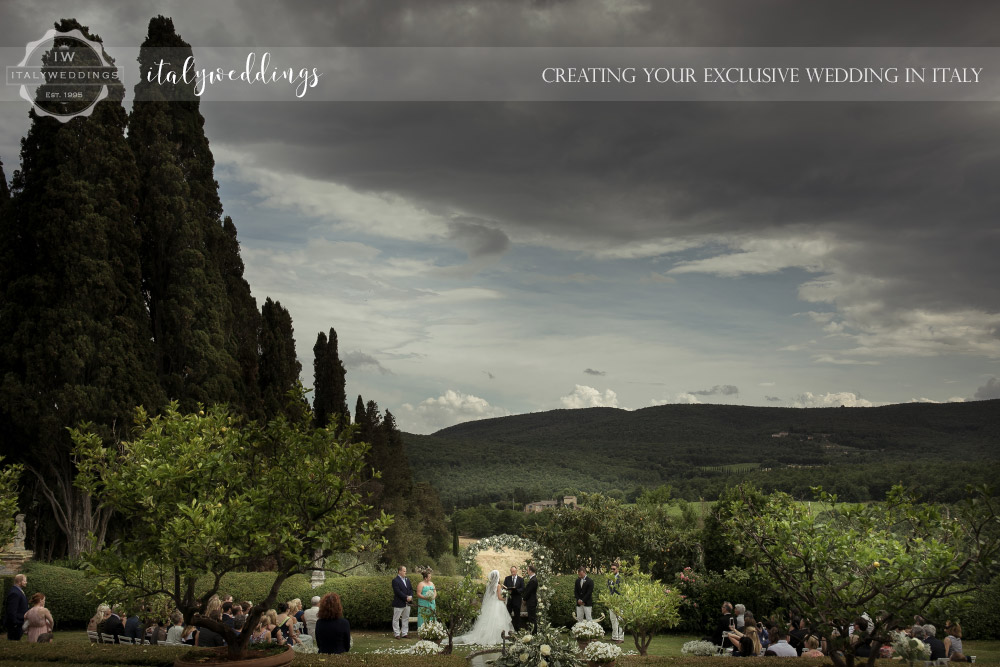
[{"x": 485, "y": 259}]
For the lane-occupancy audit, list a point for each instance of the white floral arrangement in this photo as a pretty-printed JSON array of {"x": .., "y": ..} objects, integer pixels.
[
  {"x": 699, "y": 647},
  {"x": 432, "y": 630},
  {"x": 910, "y": 648},
  {"x": 424, "y": 647},
  {"x": 587, "y": 630},
  {"x": 601, "y": 652}
]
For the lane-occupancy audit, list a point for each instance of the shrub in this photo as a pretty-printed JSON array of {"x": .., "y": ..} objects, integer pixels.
[{"x": 66, "y": 594}]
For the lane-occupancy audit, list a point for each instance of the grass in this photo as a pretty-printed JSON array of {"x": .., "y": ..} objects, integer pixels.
[{"x": 73, "y": 648}]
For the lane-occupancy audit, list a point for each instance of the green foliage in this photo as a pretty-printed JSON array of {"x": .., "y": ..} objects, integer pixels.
[
  {"x": 603, "y": 530},
  {"x": 330, "y": 399},
  {"x": 896, "y": 556},
  {"x": 856, "y": 453},
  {"x": 458, "y": 606},
  {"x": 706, "y": 591},
  {"x": 546, "y": 648},
  {"x": 67, "y": 593},
  {"x": 644, "y": 605},
  {"x": 10, "y": 475},
  {"x": 207, "y": 495},
  {"x": 74, "y": 331}
]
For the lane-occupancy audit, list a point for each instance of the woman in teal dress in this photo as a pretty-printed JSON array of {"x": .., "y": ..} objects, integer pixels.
[{"x": 426, "y": 607}]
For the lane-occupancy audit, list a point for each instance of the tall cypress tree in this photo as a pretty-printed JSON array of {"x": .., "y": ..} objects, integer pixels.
[
  {"x": 244, "y": 319},
  {"x": 74, "y": 331},
  {"x": 279, "y": 367},
  {"x": 179, "y": 219},
  {"x": 330, "y": 380}
]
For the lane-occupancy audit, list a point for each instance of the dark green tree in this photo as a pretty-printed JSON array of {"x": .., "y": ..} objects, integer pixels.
[
  {"x": 74, "y": 331},
  {"x": 244, "y": 319},
  {"x": 179, "y": 218},
  {"x": 330, "y": 378},
  {"x": 279, "y": 367}
]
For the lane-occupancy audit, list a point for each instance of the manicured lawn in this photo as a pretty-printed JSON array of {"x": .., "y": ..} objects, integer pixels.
[{"x": 73, "y": 648}]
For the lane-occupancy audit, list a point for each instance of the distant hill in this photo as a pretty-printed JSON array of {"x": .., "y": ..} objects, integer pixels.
[{"x": 861, "y": 450}]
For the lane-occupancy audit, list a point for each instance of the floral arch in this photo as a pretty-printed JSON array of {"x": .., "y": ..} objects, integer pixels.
[{"x": 541, "y": 559}]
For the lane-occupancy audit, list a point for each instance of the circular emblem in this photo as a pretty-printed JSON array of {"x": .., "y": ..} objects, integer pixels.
[{"x": 67, "y": 72}]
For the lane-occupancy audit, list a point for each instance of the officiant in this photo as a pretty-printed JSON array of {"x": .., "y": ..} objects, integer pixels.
[{"x": 515, "y": 588}]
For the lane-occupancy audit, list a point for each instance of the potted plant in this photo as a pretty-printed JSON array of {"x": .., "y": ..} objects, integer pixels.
[
  {"x": 601, "y": 653},
  {"x": 586, "y": 631}
]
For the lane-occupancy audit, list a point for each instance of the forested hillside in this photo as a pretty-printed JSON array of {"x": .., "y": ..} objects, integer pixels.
[{"x": 698, "y": 449}]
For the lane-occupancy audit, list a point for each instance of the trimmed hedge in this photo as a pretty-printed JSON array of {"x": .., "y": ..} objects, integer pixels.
[{"x": 66, "y": 593}]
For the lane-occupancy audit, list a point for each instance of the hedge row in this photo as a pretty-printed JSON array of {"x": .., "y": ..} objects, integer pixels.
[{"x": 367, "y": 600}]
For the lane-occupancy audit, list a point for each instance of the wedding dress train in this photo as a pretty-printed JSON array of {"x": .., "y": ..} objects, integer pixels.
[{"x": 493, "y": 619}]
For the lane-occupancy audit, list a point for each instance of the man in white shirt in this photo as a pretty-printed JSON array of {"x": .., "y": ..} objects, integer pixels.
[
  {"x": 782, "y": 648},
  {"x": 311, "y": 615}
]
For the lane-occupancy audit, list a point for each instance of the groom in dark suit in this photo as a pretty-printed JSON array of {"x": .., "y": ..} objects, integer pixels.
[
  {"x": 515, "y": 586},
  {"x": 583, "y": 590},
  {"x": 531, "y": 599}
]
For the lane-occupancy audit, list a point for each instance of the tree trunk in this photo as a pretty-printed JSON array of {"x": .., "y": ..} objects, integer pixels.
[{"x": 75, "y": 514}]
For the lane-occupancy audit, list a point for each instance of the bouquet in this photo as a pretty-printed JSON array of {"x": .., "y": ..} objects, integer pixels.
[
  {"x": 699, "y": 648},
  {"x": 587, "y": 630},
  {"x": 910, "y": 648},
  {"x": 601, "y": 652},
  {"x": 432, "y": 630}
]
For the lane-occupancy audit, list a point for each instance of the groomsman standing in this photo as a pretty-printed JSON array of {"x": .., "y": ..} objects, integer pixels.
[
  {"x": 617, "y": 634},
  {"x": 531, "y": 599},
  {"x": 515, "y": 586},
  {"x": 402, "y": 596},
  {"x": 583, "y": 590}
]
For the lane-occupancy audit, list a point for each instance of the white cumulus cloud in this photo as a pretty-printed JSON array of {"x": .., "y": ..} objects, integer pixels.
[
  {"x": 588, "y": 397},
  {"x": 450, "y": 408},
  {"x": 683, "y": 397},
  {"x": 831, "y": 400}
]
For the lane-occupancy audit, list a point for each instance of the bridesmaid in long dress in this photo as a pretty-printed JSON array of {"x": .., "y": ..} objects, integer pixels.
[
  {"x": 38, "y": 617},
  {"x": 425, "y": 598}
]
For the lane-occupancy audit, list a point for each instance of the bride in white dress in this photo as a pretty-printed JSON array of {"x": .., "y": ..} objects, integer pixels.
[{"x": 493, "y": 616}]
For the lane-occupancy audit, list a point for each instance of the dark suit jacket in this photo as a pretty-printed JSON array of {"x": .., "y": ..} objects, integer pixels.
[
  {"x": 514, "y": 594},
  {"x": 16, "y": 607},
  {"x": 132, "y": 628},
  {"x": 531, "y": 593},
  {"x": 113, "y": 626},
  {"x": 401, "y": 588},
  {"x": 583, "y": 589},
  {"x": 937, "y": 648}
]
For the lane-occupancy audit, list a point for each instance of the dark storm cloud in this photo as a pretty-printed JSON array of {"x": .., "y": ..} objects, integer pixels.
[
  {"x": 361, "y": 361},
  {"x": 723, "y": 389},
  {"x": 478, "y": 240},
  {"x": 989, "y": 390}
]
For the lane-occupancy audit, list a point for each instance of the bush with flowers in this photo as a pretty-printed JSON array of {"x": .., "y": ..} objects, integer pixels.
[
  {"x": 432, "y": 630},
  {"x": 699, "y": 647},
  {"x": 910, "y": 649},
  {"x": 601, "y": 652},
  {"x": 584, "y": 630},
  {"x": 545, "y": 648}
]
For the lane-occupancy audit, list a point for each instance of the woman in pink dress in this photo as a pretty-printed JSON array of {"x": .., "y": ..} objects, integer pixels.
[{"x": 38, "y": 618}]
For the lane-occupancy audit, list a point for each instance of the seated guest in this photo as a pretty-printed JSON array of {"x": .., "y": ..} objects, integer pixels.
[
  {"x": 860, "y": 638},
  {"x": 781, "y": 647},
  {"x": 310, "y": 615},
  {"x": 938, "y": 650},
  {"x": 295, "y": 609},
  {"x": 812, "y": 648},
  {"x": 953, "y": 642},
  {"x": 113, "y": 626},
  {"x": 261, "y": 633},
  {"x": 726, "y": 623},
  {"x": 209, "y": 637},
  {"x": 237, "y": 613},
  {"x": 739, "y": 611},
  {"x": 190, "y": 636},
  {"x": 238, "y": 624},
  {"x": 797, "y": 634},
  {"x": 333, "y": 631},
  {"x": 132, "y": 627},
  {"x": 176, "y": 630},
  {"x": 285, "y": 624},
  {"x": 748, "y": 643},
  {"x": 227, "y": 613},
  {"x": 103, "y": 611}
]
